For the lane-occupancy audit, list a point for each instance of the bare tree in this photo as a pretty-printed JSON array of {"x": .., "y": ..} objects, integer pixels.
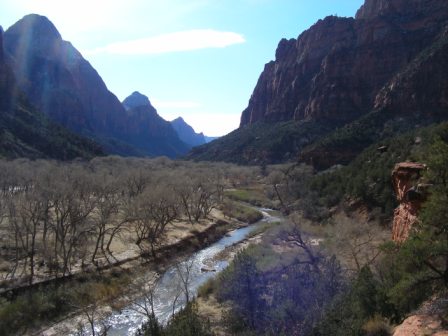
[
  {"x": 89, "y": 303},
  {"x": 184, "y": 272},
  {"x": 154, "y": 210},
  {"x": 144, "y": 304},
  {"x": 107, "y": 206},
  {"x": 357, "y": 242},
  {"x": 72, "y": 206}
]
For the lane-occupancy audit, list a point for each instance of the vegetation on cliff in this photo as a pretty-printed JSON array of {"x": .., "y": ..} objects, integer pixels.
[
  {"x": 289, "y": 285},
  {"x": 25, "y": 132}
]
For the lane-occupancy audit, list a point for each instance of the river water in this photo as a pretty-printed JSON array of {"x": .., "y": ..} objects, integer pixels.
[{"x": 127, "y": 321}]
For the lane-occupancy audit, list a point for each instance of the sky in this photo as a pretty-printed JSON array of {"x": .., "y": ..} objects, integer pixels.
[{"x": 199, "y": 59}]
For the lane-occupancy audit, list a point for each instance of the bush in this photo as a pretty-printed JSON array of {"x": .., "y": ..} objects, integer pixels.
[
  {"x": 208, "y": 288},
  {"x": 377, "y": 326},
  {"x": 186, "y": 322},
  {"x": 241, "y": 212}
]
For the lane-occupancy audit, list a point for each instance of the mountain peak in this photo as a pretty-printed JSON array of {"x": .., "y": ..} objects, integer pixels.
[
  {"x": 178, "y": 120},
  {"x": 37, "y": 26},
  {"x": 186, "y": 133},
  {"x": 136, "y": 99}
]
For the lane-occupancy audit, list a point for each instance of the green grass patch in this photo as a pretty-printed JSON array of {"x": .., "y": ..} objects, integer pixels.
[
  {"x": 252, "y": 196},
  {"x": 241, "y": 212},
  {"x": 265, "y": 227}
]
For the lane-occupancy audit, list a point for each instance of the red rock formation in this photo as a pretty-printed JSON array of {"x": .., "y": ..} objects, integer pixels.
[
  {"x": 334, "y": 70},
  {"x": 421, "y": 325},
  {"x": 405, "y": 178}
]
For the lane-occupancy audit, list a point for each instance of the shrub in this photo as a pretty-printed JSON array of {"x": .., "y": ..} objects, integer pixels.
[
  {"x": 208, "y": 288},
  {"x": 377, "y": 326}
]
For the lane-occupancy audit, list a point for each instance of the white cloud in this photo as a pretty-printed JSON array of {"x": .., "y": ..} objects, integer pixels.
[{"x": 173, "y": 42}]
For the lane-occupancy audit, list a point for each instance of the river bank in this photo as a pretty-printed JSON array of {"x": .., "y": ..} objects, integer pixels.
[{"x": 138, "y": 268}]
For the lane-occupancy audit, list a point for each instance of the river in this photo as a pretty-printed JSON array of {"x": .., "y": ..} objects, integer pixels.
[{"x": 127, "y": 321}]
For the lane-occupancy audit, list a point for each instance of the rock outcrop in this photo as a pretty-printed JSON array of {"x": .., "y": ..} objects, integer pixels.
[
  {"x": 334, "y": 70},
  {"x": 428, "y": 320},
  {"x": 421, "y": 325},
  {"x": 410, "y": 194}
]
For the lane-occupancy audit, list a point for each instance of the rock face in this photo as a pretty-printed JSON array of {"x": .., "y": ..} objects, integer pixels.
[
  {"x": 62, "y": 84},
  {"x": 335, "y": 69},
  {"x": 410, "y": 195},
  {"x": 187, "y": 134},
  {"x": 59, "y": 81},
  {"x": 344, "y": 85},
  {"x": 7, "y": 80},
  {"x": 421, "y": 325},
  {"x": 25, "y": 132},
  {"x": 2, "y": 55}
]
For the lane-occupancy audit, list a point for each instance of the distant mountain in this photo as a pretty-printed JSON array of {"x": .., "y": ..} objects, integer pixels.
[
  {"x": 56, "y": 79},
  {"x": 343, "y": 84},
  {"x": 187, "y": 134},
  {"x": 136, "y": 99},
  {"x": 210, "y": 138},
  {"x": 148, "y": 131},
  {"x": 24, "y": 132}
]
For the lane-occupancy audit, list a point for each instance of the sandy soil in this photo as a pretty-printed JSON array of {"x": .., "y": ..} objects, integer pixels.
[{"x": 123, "y": 248}]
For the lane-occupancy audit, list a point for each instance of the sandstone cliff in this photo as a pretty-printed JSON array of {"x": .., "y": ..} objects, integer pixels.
[
  {"x": 343, "y": 85},
  {"x": 409, "y": 193},
  {"x": 334, "y": 70},
  {"x": 25, "y": 132},
  {"x": 56, "y": 79}
]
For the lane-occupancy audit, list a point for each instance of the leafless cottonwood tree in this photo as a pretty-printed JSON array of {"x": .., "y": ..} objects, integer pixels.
[
  {"x": 104, "y": 215},
  {"x": 89, "y": 303},
  {"x": 154, "y": 209},
  {"x": 57, "y": 216},
  {"x": 184, "y": 271},
  {"x": 357, "y": 242},
  {"x": 144, "y": 304}
]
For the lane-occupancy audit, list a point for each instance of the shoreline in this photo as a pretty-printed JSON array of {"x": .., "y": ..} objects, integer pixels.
[{"x": 139, "y": 267}]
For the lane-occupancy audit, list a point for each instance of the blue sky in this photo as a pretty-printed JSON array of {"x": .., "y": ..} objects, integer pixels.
[{"x": 199, "y": 59}]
